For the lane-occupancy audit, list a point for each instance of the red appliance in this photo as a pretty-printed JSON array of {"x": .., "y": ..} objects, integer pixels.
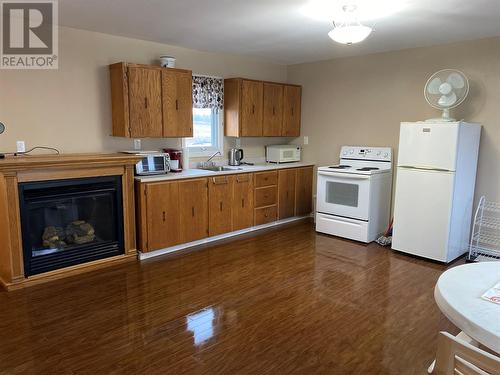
[{"x": 175, "y": 159}]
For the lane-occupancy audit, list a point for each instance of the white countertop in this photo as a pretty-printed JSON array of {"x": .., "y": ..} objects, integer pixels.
[
  {"x": 458, "y": 294},
  {"x": 196, "y": 173}
]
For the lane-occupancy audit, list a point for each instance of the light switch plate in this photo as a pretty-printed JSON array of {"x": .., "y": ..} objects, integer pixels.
[
  {"x": 20, "y": 146},
  {"x": 306, "y": 140},
  {"x": 137, "y": 144},
  {"x": 238, "y": 143}
]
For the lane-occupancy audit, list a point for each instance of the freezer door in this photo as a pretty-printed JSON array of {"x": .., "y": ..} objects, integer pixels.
[
  {"x": 428, "y": 145},
  {"x": 422, "y": 212}
]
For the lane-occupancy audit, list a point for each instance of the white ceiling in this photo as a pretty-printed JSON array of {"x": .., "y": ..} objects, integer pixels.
[{"x": 281, "y": 31}]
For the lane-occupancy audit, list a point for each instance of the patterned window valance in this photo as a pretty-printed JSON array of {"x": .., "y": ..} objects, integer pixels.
[{"x": 208, "y": 92}]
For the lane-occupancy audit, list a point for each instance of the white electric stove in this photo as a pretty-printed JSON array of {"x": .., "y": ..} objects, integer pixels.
[{"x": 354, "y": 196}]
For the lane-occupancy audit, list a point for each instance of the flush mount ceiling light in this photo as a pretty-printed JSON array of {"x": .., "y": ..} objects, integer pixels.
[{"x": 349, "y": 30}]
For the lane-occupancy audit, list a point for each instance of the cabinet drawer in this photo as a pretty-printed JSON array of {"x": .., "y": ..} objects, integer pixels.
[
  {"x": 265, "y": 215},
  {"x": 266, "y": 179},
  {"x": 266, "y": 196}
]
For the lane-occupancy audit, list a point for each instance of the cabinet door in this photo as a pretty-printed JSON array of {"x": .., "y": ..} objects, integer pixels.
[
  {"x": 273, "y": 110},
  {"x": 162, "y": 215},
  {"x": 286, "y": 193},
  {"x": 177, "y": 103},
  {"x": 291, "y": 111},
  {"x": 243, "y": 201},
  {"x": 251, "y": 108},
  {"x": 303, "y": 191},
  {"x": 193, "y": 209},
  {"x": 220, "y": 193},
  {"x": 145, "y": 102}
]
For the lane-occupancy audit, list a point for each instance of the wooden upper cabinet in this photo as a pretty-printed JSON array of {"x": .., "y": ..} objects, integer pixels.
[
  {"x": 163, "y": 224},
  {"x": 273, "y": 110},
  {"x": 193, "y": 209},
  {"x": 220, "y": 193},
  {"x": 286, "y": 193},
  {"x": 150, "y": 101},
  {"x": 261, "y": 109},
  {"x": 303, "y": 191},
  {"x": 251, "y": 108},
  {"x": 292, "y": 96},
  {"x": 242, "y": 201},
  {"x": 177, "y": 87},
  {"x": 145, "y": 102}
]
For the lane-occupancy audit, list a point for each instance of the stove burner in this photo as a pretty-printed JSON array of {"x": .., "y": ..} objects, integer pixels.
[
  {"x": 366, "y": 169},
  {"x": 341, "y": 166}
]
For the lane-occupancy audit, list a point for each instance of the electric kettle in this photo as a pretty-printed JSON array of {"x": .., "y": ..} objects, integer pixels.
[{"x": 235, "y": 156}]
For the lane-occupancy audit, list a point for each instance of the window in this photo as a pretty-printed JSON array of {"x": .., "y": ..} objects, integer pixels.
[
  {"x": 207, "y": 132},
  {"x": 208, "y": 106}
]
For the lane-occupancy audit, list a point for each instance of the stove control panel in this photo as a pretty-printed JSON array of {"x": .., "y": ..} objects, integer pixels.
[{"x": 366, "y": 153}]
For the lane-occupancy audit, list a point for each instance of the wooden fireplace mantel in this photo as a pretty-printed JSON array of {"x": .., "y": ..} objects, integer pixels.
[{"x": 14, "y": 170}]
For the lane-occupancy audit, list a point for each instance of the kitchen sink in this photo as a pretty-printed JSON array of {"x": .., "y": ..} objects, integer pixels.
[{"x": 221, "y": 169}]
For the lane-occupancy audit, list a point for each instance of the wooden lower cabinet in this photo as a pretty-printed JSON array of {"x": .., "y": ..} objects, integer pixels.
[
  {"x": 286, "y": 193},
  {"x": 265, "y": 215},
  {"x": 243, "y": 202},
  {"x": 176, "y": 212},
  {"x": 266, "y": 196},
  {"x": 163, "y": 223},
  {"x": 193, "y": 209},
  {"x": 303, "y": 191},
  {"x": 220, "y": 202}
]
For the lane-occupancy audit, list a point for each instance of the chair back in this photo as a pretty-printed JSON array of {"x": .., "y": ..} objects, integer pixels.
[{"x": 455, "y": 356}]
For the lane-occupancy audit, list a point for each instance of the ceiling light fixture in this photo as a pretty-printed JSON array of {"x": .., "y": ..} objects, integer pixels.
[
  {"x": 349, "y": 30},
  {"x": 367, "y": 10}
]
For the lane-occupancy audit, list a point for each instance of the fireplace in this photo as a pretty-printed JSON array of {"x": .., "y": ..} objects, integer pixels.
[{"x": 69, "y": 222}]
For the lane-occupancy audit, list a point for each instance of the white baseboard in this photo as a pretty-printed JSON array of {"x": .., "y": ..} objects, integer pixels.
[{"x": 183, "y": 246}]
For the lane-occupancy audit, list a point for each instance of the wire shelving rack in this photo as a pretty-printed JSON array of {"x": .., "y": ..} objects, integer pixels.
[{"x": 485, "y": 239}]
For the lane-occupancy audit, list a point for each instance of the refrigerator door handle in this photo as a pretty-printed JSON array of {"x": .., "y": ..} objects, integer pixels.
[{"x": 424, "y": 168}]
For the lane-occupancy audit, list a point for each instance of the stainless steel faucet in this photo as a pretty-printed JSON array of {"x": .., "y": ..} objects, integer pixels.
[
  {"x": 213, "y": 156},
  {"x": 209, "y": 163}
]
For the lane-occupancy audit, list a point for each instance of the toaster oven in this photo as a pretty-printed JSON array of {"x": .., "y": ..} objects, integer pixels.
[{"x": 153, "y": 164}]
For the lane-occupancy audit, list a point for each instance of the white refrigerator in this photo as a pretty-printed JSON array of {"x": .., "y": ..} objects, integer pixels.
[{"x": 436, "y": 176}]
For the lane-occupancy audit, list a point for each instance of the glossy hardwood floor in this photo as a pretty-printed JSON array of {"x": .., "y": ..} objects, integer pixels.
[{"x": 284, "y": 301}]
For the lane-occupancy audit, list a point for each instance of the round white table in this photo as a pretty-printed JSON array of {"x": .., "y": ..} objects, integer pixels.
[{"x": 458, "y": 294}]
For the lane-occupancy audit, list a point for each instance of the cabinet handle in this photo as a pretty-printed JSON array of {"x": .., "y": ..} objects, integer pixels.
[
  {"x": 292, "y": 111},
  {"x": 253, "y": 108},
  {"x": 266, "y": 215},
  {"x": 219, "y": 183},
  {"x": 146, "y": 102},
  {"x": 176, "y": 104},
  {"x": 287, "y": 194},
  {"x": 274, "y": 111},
  {"x": 192, "y": 211},
  {"x": 163, "y": 216},
  {"x": 238, "y": 179},
  {"x": 220, "y": 204}
]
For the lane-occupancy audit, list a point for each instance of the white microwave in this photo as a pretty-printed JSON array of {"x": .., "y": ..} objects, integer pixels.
[{"x": 282, "y": 153}]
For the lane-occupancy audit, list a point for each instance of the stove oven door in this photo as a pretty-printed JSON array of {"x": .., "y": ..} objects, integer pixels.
[{"x": 343, "y": 194}]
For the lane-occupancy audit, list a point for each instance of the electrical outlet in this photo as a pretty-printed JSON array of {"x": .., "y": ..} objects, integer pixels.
[
  {"x": 306, "y": 140},
  {"x": 238, "y": 142},
  {"x": 137, "y": 144},
  {"x": 21, "y": 146}
]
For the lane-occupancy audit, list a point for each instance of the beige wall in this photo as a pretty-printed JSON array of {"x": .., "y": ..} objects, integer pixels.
[
  {"x": 70, "y": 108},
  {"x": 362, "y": 100}
]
